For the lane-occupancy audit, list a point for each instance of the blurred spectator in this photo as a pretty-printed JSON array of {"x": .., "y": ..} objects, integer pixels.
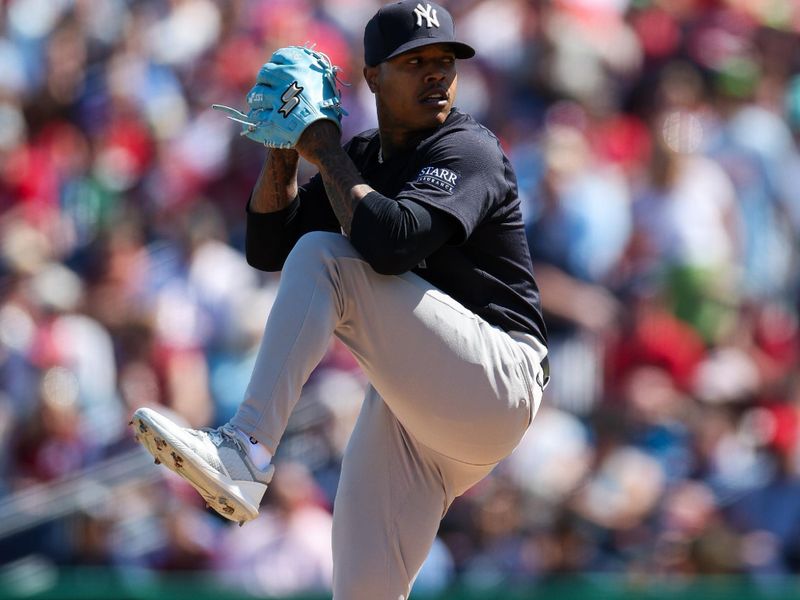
[
  {"x": 686, "y": 216},
  {"x": 288, "y": 550},
  {"x": 578, "y": 229}
]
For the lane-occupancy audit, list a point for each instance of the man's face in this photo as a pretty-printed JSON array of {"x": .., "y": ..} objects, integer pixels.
[{"x": 415, "y": 90}]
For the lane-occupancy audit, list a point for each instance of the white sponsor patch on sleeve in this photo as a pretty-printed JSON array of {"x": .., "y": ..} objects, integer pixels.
[{"x": 442, "y": 178}]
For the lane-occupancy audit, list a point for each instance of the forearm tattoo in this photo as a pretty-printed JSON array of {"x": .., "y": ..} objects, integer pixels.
[
  {"x": 277, "y": 184},
  {"x": 343, "y": 183}
]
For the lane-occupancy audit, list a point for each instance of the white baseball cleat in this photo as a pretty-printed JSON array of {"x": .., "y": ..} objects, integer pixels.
[{"x": 213, "y": 461}]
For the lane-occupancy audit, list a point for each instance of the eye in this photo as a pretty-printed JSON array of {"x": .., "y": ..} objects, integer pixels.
[{"x": 413, "y": 61}]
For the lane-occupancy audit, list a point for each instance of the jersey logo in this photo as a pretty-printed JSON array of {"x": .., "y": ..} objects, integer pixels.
[
  {"x": 444, "y": 179},
  {"x": 290, "y": 99},
  {"x": 428, "y": 13}
]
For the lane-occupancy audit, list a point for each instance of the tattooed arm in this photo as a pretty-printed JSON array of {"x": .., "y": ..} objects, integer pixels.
[
  {"x": 276, "y": 186},
  {"x": 344, "y": 185},
  {"x": 279, "y": 212}
]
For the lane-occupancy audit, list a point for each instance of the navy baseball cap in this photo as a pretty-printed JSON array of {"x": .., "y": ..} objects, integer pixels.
[{"x": 403, "y": 26}]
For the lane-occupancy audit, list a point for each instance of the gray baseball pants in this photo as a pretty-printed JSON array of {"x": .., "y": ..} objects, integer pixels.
[{"x": 450, "y": 396}]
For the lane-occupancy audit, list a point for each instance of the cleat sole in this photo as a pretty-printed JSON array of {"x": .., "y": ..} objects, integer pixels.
[{"x": 172, "y": 454}]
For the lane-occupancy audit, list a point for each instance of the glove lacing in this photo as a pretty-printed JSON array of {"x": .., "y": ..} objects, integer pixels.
[{"x": 330, "y": 71}]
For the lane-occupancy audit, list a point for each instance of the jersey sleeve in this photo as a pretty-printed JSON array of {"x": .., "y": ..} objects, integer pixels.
[
  {"x": 316, "y": 213},
  {"x": 396, "y": 236},
  {"x": 271, "y": 236},
  {"x": 462, "y": 175}
]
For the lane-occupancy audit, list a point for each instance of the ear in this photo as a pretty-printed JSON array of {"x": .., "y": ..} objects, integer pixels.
[{"x": 371, "y": 77}]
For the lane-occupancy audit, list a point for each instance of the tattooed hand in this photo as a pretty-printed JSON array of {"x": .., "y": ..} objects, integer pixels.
[{"x": 319, "y": 138}]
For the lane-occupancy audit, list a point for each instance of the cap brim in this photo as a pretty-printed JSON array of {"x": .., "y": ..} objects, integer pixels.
[{"x": 461, "y": 49}]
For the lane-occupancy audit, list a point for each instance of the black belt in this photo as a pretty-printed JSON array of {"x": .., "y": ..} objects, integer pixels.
[{"x": 545, "y": 364}]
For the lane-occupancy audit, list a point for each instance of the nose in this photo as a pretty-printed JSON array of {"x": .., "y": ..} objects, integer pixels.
[{"x": 436, "y": 73}]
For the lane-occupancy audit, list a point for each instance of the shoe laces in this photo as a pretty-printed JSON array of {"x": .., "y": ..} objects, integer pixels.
[{"x": 225, "y": 431}]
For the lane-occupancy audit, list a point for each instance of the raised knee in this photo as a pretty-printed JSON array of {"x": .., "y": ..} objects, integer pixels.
[
  {"x": 320, "y": 245},
  {"x": 321, "y": 239}
]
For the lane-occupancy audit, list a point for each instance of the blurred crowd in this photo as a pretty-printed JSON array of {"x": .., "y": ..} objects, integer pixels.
[{"x": 656, "y": 148}]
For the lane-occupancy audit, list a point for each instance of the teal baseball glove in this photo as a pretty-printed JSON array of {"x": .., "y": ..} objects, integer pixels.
[{"x": 297, "y": 87}]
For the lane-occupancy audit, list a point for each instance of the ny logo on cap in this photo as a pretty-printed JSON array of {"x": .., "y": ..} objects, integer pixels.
[{"x": 428, "y": 13}]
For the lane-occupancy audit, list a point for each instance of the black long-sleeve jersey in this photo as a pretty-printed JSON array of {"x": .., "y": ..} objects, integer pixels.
[{"x": 448, "y": 210}]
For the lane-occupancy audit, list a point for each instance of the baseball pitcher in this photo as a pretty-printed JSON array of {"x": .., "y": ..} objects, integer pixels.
[{"x": 408, "y": 246}]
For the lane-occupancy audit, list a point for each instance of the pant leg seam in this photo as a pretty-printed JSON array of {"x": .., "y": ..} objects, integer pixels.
[
  {"x": 260, "y": 419},
  {"x": 394, "y": 512}
]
